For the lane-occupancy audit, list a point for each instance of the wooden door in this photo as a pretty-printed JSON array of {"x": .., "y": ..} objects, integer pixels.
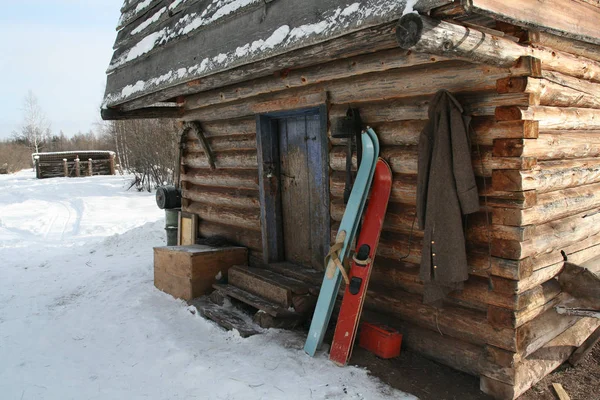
[
  {"x": 294, "y": 187},
  {"x": 300, "y": 192}
]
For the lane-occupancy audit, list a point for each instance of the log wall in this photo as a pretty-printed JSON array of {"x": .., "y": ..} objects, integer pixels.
[{"x": 536, "y": 133}]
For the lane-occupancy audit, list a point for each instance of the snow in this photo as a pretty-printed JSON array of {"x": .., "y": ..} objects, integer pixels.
[
  {"x": 149, "y": 21},
  {"x": 410, "y": 7},
  {"x": 81, "y": 319},
  {"x": 281, "y": 38}
]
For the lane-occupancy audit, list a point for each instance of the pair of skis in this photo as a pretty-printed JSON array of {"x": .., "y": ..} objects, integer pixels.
[{"x": 366, "y": 246}]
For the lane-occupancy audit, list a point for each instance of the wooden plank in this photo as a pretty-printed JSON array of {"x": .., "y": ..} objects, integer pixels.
[
  {"x": 318, "y": 163},
  {"x": 269, "y": 188},
  {"x": 560, "y": 391},
  {"x": 585, "y": 348},
  {"x": 255, "y": 301},
  {"x": 295, "y": 205},
  {"x": 264, "y": 285},
  {"x": 579, "y": 23},
  {"x": 226, "y": 318}
]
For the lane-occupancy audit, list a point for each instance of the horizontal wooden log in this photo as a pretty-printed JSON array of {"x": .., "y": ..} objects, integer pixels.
[
  {"x": 504, "y": 318},
  {"x": 240, "y": 218},
  {"x": 467, "y": 325},
  {"x": 224, "y": 143},
  {"x": 217, "y": 196},
  {"x": 237, "y": 236},
  {"x": 556, "y": 145},
  {"x": 538, "y": 277},
  {"x": 232, "y": 159},
  {"x": 242, "y": 126},
  {"x": 405, "y": 274},
  {"x": 289, "y": 100},
  {"x": 552, "y": 236},
  {"x": 551, "y": 206},
  {"x": 549, "y": 176},
  {"x": 482, "y": 104},
  {"x": 404, "y": 160},
  {"x": 427, "y": 35},
  {"x": 371, "y": 88},
  {"x": 315, "y": 75},
  {"x": 579, "y": 23},
  {"x": 555, "y": 93},
  {"x": 540, "y": 363},
  {"x": 483, "y": 131},
  {"x": 400, "y": 218},
  {"x": 233, "y": 178},
  {"x": 404, "y": 190},
  {"x": 458, "y": 354},
  {"x": 552, "y": 118},
  {"x": 567, "y": 45}
]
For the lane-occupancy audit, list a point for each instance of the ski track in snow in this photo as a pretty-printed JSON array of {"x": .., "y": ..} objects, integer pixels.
[{"x": 81, "y": 319}]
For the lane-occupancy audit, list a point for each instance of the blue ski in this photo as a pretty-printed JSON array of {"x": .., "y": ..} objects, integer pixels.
[{"x": 343, "y": 242}]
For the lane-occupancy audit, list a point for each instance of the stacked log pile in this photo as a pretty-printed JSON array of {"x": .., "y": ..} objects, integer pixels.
[
  {"x": 536, "y": 131},
  {"x": 74, "y": 164}
]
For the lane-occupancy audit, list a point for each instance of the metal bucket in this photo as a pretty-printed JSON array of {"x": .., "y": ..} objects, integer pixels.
[{"x": 171, "y": 224}]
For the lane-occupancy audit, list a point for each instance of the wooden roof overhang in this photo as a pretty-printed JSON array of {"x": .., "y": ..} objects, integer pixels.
[{"x": 169, "y": 49}]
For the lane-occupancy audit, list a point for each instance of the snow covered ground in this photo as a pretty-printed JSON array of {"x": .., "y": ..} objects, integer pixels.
[{"x": 81, "y": 319}]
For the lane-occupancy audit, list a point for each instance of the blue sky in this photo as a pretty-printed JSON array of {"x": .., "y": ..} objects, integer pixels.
[{"x": 59, "y": 49}]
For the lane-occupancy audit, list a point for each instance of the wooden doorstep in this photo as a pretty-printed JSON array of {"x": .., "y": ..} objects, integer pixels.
[{"x": 255, "y": 301}]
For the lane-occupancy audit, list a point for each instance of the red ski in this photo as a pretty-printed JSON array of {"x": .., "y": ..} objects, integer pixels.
[{"x": 360, "y": 270}]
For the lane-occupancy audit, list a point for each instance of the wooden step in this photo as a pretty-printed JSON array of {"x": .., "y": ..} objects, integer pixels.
[
  {"x": 226, "y": 317},
  {"x": 310, "y": 276},
  {"x": 267, "y": 284},
  {"x": 255, "y": 301}
]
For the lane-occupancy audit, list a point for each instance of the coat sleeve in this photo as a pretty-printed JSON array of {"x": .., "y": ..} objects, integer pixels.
[{"x": 464, "y": 176}]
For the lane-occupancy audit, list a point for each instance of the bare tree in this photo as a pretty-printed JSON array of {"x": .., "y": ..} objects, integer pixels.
[{"x": 35, "y": 127}]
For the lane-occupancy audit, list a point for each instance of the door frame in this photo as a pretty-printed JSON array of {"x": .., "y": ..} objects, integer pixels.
[{"x": 269, "y": 182}]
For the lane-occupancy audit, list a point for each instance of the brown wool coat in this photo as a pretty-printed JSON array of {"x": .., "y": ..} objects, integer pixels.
[{"x": 446, "y": 190}]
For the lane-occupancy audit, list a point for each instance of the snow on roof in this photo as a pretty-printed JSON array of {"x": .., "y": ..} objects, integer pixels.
[{"x": 189, "y": 40}]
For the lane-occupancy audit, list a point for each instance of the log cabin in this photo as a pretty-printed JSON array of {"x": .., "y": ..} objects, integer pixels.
[{"x": 263, "y": 83}]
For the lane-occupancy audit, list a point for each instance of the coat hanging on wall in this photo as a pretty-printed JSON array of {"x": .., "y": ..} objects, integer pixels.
[{"x": 446, "y": 190}]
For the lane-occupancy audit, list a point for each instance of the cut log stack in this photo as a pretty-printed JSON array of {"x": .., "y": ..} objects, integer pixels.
[
  {"x": 536, "y": 138},
  {"x": 68, "y": 163}
]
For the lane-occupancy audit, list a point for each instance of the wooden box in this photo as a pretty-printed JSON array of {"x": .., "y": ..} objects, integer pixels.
[{"x": 187, "y": 272}]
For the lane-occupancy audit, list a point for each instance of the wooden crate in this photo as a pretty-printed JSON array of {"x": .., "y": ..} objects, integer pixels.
[{"x": 187, "y": 272}]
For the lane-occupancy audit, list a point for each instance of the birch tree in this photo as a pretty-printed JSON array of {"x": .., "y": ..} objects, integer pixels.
[{"x": 35, "y": 126}]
